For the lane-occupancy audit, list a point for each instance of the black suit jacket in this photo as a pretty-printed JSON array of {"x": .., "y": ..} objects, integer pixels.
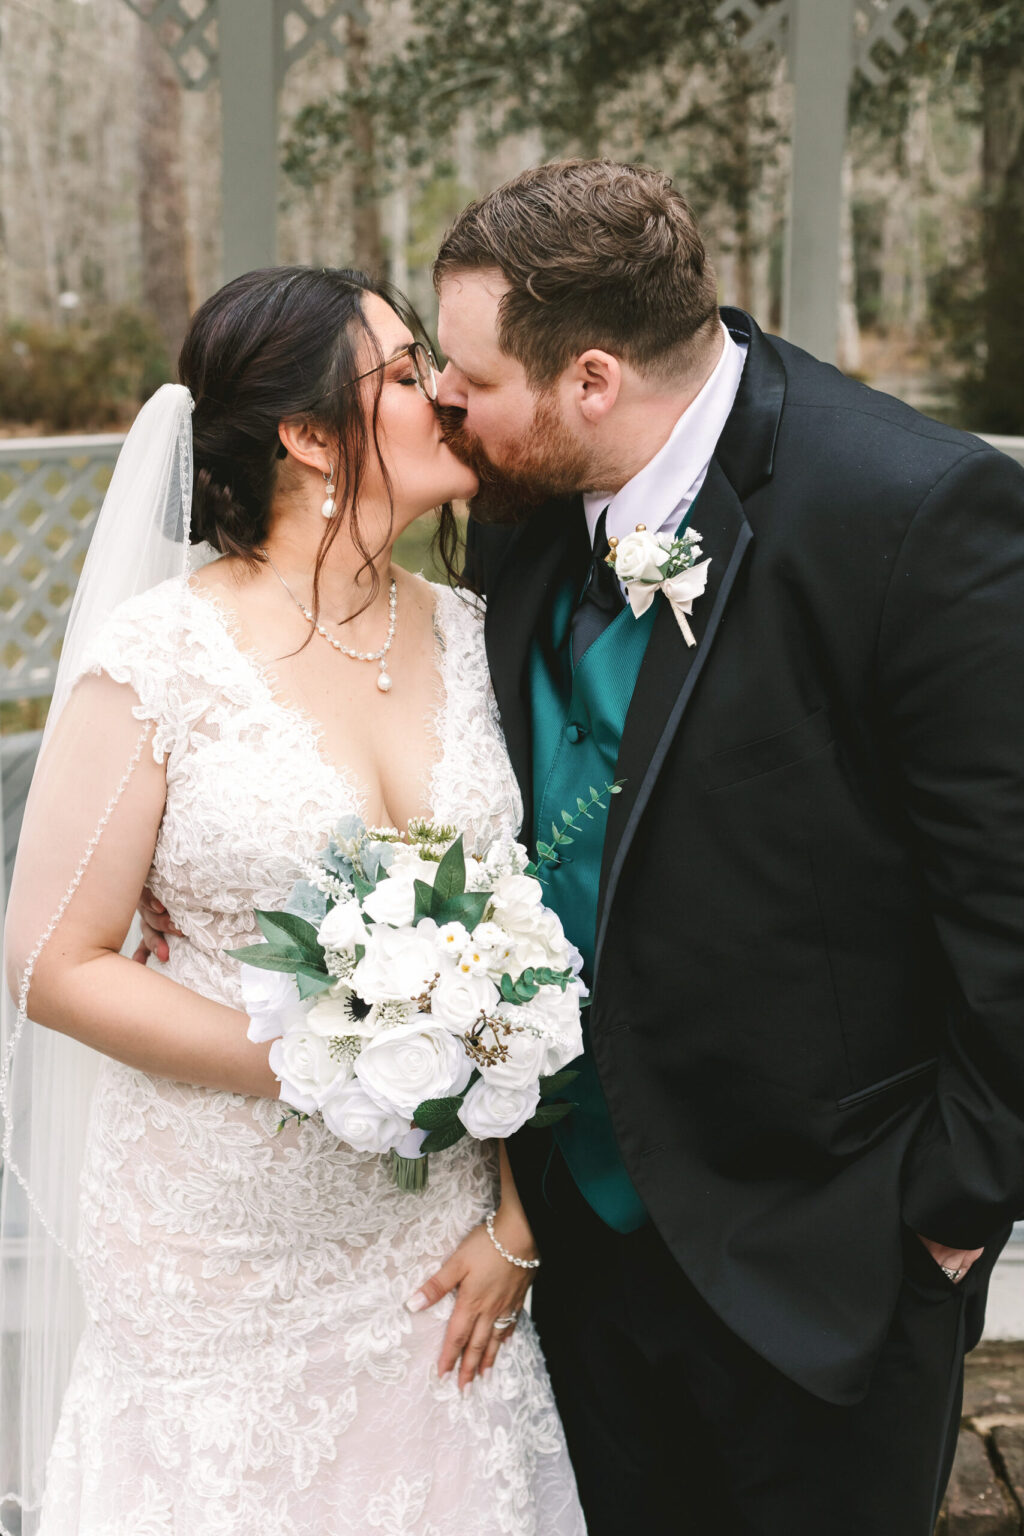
[{"x": 808, "y": 1009}]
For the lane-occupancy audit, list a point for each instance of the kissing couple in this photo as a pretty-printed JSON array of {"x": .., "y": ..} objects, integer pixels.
[{"x": 760, "y": 1242}]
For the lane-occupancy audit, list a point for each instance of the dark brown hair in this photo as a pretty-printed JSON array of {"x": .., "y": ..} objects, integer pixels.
[
  {"x": 595, "y": 254},
  {"x": 279, "y": 344}
]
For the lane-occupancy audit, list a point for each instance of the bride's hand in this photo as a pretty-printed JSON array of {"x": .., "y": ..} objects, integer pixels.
[{"x": 489, "y": 1288}]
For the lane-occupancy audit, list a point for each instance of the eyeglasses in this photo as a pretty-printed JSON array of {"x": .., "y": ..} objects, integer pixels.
[{"x": 424, "y": 366}]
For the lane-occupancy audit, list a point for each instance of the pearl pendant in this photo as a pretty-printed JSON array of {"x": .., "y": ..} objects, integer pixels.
[
  {"x": 327, "y": 509},
  {"x": 384, "y": 682}
]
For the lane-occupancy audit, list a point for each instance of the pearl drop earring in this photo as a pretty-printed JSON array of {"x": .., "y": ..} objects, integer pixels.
[{"x": 327, "y": 508}]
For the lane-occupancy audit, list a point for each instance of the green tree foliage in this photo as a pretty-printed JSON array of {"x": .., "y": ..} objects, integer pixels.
[{"x": 972, "y": 53}]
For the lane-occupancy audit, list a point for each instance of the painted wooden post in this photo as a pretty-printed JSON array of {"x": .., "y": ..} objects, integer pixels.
[
  {"x": 250, "y": 76},
  {"x": 820, "y": 60}
]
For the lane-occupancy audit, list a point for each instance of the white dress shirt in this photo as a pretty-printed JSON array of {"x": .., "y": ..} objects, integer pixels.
[{"x": 663, "y": 491}]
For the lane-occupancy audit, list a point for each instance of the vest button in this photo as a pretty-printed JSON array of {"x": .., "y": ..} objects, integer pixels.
[{"x": 575, "y": 733}]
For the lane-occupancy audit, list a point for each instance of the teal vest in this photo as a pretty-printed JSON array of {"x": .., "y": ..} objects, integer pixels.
[{"x": 578, "y": 717}]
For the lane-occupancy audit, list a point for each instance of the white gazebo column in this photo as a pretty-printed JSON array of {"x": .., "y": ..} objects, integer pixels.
[
  {"x": 820, "y": 62},
  {"x": 251, "y": 66}
]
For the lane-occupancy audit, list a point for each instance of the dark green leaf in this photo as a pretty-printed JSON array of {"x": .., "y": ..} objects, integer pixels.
[
  {"x": 450, "y": 880},
  {"x": 424, "y": 900},
  {"x": 312, "y": 986},
  {"x": 549, "y": 1086},
  {"x": 284, "y": 928},
  {"x": 550, "y": 1114},
  {"x": 361, "y": 886},
  {"x": 267, "y": 958},
  {"x": 447, "y": 1136},
  {"x": 433, "y": 1114},
  {"x": 467, "y": 909},
  {"x": 507, "y": 988}
]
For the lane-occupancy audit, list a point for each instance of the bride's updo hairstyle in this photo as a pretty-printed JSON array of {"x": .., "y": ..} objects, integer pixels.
[{"x": 280, "y": 344}]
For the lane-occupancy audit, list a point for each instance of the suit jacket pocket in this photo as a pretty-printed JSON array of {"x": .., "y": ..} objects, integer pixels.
[
  {"x": 753, "y": 758},
  {"x": 898, "y": 1080}
]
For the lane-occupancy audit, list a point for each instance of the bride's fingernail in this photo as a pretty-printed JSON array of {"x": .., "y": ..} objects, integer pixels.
[{"x": 417, "y": 1302}]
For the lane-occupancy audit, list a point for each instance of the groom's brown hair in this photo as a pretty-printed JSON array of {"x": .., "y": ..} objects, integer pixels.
[{"x": 595, "y": 254}]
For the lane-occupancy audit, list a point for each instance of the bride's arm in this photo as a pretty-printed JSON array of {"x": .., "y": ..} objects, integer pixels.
[
  {"x": 82, "y": 985},
  {"x": 489, "y": 1286}
]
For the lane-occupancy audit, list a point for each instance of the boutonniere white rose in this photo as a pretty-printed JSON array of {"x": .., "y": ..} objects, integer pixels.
[{"x": 646, "y": 563}]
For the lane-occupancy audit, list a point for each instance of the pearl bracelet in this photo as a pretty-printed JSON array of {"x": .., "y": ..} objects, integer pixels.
[{"x": 511, "y": 1257}]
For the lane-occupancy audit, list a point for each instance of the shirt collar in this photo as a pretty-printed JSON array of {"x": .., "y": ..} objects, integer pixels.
[{"x": 661, "y": 492}]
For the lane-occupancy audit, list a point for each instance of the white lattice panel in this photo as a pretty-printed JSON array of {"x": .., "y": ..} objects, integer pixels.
[
  {"x": 881, "y": 28},
  {"x": 50, "y": 495},
  {"x": 188, "y": 30},
  {"x": 308, "y": 22}
]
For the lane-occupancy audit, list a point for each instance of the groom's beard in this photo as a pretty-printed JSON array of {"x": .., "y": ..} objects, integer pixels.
[{"x": 545, "y": 463}]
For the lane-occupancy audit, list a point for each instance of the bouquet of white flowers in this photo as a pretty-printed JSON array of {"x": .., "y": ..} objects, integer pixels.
[{"x": 414, "y": 994}]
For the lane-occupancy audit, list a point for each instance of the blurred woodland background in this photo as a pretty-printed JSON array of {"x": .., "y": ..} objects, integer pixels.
[{"x": 110, "y": 179}]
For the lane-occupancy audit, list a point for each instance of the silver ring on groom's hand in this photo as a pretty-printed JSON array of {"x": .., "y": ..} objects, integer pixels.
[
  {"x": 501, "y": 1323},
  {"x": 956, "y": 1275}
]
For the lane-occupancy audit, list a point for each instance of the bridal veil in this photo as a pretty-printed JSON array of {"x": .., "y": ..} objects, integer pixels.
[{"x": 46, "y": 1078}]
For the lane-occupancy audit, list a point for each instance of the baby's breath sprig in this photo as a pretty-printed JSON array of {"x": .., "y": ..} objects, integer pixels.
[{"x": 683, "y": 553}]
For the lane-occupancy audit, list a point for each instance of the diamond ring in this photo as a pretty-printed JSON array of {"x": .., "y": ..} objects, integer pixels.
[
  {"x": 952, "y": 1274},
  {"x": 501, "y": 1323}
]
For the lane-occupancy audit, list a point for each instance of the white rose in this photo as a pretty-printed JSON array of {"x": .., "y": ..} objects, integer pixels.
[
  {"x": 402, "y": 1067},
  {"x": 338, "y": 1013},
  {"x": 516, "y": 898},
  {"x": 524, "y": 1064},
  {"x": 557, "y": 1015},
  {"x": 461, "y": 996},
  {"x": 540, "y": 942},
  {"x": 639, "y": 557},
  {"x": 488, "y": 1111},
  {"x": 343, "y": 927},
  {"x": 398, "y": 965},
  {"x": 352, "y": 1116},
  {"x": 306, "y": 1069},
  {"x": 272, "y": 1001}
]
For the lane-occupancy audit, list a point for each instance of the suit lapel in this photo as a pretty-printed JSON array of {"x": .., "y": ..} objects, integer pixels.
[
  {"x": 743, "y": 460},
  {"x": 552, "y": 546}
]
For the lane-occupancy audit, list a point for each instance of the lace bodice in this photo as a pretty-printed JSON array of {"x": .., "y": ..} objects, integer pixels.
[
  {"x": 249, "y": 1364},
  {"x": 250, "y": 793}
]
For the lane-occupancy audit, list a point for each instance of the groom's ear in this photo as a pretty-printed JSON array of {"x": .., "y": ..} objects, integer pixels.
[{"x": 595, "y": 381}]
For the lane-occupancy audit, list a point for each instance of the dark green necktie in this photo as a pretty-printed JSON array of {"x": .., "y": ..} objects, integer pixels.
[{"x": 601, "y": 600}]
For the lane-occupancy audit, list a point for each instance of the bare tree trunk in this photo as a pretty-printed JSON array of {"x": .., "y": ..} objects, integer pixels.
[
  {"x": 367, "y": 242},
  {"x": 162, "y": 203},
  {"x": 1001, "y": 406}
]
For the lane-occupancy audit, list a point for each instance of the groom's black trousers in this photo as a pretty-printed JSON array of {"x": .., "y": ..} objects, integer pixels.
[{"x": 676, "y": 1427}]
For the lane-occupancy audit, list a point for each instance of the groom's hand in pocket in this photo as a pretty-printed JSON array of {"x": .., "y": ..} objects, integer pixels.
[
  {"x": 487, "y": 1288},
  {"x": 959, "y": 1260}
]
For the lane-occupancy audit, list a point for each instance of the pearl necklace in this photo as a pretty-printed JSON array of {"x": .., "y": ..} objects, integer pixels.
[{"x": 384, "y": 678}]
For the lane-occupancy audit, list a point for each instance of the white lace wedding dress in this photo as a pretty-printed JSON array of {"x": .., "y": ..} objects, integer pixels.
[{"x": 249, "y": 1366}]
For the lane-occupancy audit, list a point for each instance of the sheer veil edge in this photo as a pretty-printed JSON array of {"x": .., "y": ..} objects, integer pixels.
[{"x": 141, "y": 539}]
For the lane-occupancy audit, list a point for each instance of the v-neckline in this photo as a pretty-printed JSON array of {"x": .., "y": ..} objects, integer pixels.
[{"x": 312, "y": 728}]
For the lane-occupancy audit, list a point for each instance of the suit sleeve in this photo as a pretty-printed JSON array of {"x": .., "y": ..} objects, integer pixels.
[
  {"x": 951, "y": 672},
  {"x": 473, "y": 567}
]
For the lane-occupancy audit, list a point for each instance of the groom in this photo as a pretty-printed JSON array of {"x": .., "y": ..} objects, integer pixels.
[{"x": 767, "y": 1228}]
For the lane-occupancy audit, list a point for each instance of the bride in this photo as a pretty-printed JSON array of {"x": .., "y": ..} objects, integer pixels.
[{"x": 256, "y": 1353}]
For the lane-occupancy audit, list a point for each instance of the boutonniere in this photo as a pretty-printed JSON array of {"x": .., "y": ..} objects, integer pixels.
[{"x": 646, "y": 563}]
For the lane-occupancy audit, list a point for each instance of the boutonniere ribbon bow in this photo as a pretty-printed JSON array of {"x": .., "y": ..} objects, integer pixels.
[{"x": 646, "y": 563}]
